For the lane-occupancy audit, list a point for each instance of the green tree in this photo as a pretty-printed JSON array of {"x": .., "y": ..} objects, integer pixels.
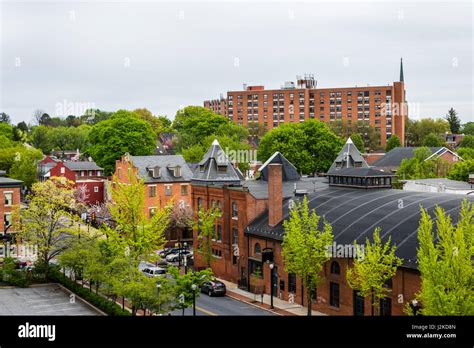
[
  {"x": 466, "y": 153},
  {"x": 42, "y": 223},
  {"x": 417, "y": 130},
  {"x": 374, "y": 265},
  {"x": 358, "y": 142},
  {"x": 468, "y": 141},
  {"x": 420, "y": 167},
  {"x": 393, "y": 142},
  {"x": 6, "y": 130},
  {"x": 4, "y": 118},
  {"x": 40, "y": 138},
  {"x": 433, "y": 140},
  {"x": 121, "y": 133},
  {"x": 447, "y": 275},
  {"x": 304, "y": 246},
  {"x": 311, "y": 146},
  {"x": 460, "y": 170},
  {"x": 135, "y": 234},
  {"x": 183, "y": 287},
  {"x": 206, "y": 227},
  {"x": 24, "y": 166},
  {"x": 454, "y": 121},
  {"x": 468, "y": 128}
]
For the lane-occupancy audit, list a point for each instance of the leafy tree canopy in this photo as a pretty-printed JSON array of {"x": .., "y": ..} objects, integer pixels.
[
  {"x": 417, "y": 130},
  {"x": 123, "y": 132},
  {"x": 393, "y": 142},
  {"x": 433, "y": 140},
  {"x": 468, "y": 141},
  {"x": 311, "y": 146},
  {"x": 468, "y": 128},
  {"x": 454, "y": 121}
]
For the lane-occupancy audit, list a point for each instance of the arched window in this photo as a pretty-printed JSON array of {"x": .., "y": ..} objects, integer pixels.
[
  {"x": 219, "y": 206},
  {"x": 257, "y": 249},
  {"x": 199, "y": 203},
  {"x": 335, "y": 269},
  {"x": 235, "y": 236}
]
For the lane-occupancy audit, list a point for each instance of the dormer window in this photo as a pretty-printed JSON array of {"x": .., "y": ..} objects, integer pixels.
[
  {"x": 222, "y": 169},
  {"x": 202, "y": 167},
  {"x": 155, "y": 172},
  {"x": 176, "y": 171}
]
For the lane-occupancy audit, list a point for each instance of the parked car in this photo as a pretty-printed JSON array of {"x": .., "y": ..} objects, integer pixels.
[
  {"x": 154, "y": 272},
  {"x": 166, "y": 252},
  {"x": 213, "y": 288},
  {"x": 176, "y": 256}
]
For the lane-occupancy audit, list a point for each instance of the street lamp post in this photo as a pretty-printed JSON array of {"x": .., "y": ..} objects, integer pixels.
[
  {"x": 415, "y": 306},
  {"x": 271, "y": 265},
  {"x": 158, "y": 287},
  {"x": 194, "y": 287}
]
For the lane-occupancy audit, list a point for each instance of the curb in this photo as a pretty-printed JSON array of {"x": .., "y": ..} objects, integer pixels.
[
  {"x": 81, "y": 299},
  {"x": 233, "y": 296}
]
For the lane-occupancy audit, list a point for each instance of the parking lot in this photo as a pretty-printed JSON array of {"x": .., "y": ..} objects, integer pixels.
[{"x": 48, "y": 299}]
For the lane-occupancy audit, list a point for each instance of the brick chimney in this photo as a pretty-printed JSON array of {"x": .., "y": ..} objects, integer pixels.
[{"x": 275, "y": 200}]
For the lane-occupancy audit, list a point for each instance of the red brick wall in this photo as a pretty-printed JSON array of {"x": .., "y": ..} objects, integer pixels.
[
  {"x": 56, "y": 171},
  {"x": 8, "y": 209},
  {"x": 94, "y": 197}
]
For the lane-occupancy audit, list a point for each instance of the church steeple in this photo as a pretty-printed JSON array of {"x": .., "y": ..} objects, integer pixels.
[{"x": 401, "y": 69}]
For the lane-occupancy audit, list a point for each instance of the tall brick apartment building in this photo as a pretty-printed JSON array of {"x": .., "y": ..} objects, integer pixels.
[
  {"x": 383, "y": 107},
  {"x": 354, "y": 202}
]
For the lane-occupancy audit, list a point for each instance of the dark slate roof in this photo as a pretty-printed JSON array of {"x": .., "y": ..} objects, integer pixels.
[
  {"x": 164, "y": 162},
  {"x": 8, "y": 182},
  {"x": 354, "y": 214},
  {"x": 289, "y": 171},
  {"x": 82, "y": 165},
  {"x": 394, "y": 157},
  {"x": 207, "y": 171},
  {"x": 362, "y": 172},
  {"x": 348, "y": 156},
  {"x": 259, "y": 188}
]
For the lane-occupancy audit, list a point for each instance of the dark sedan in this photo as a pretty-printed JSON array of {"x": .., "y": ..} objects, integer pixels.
[{"x": 213, "y": 288}]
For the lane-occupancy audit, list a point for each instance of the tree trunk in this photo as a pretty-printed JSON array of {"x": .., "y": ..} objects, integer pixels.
[
  {"x": 372, "y": 304},
  {"x": 309, "y": 302}
]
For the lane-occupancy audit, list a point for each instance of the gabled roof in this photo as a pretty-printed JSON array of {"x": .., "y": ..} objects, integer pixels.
[
  {"x": 289, "y": 171},
  {"x": 216, "y": 167},
  {"x": 394, "y": 157},
  {"x": 347, "y": 157},
  {"x": 166, "y": 162},
  {"x": 82, "y": 165}
]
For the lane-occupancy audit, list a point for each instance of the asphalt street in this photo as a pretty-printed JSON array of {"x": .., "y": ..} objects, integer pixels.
[{"x": 224, "y": 305}]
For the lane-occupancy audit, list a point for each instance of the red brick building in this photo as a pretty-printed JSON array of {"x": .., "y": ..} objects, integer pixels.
[
  {"x": 83, "y": 173},
  {"x": 9, "y": 198},
  {"x": 167, "y": 178},
  {"x": 383, "y": 107},
  {"x": 250, "y": 230}
]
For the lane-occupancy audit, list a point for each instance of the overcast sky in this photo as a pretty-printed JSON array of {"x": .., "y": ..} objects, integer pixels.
[{"x": 166, "y": 55}]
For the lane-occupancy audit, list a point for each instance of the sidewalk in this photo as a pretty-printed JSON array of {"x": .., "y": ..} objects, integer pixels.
[{"x": 281, "y": 307}]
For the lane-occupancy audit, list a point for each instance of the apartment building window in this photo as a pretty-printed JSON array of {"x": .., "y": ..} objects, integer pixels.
[
  {"x": 184, "y": 190},
  {"x": 265, "y": 96},
  {"x": 152, "y": 191},
  {"x": 311, "y": 96},
  {"x": 335, "y": 268},
  {"x": 301, "y": 95},
  {"x": 249, "y": 97},
  {"x": 321, "y": 94},
  {"x": 334, "y": 294},
  {"x": 235, "y": 236},
  {"x": 292, "y": 282},
  {"x": 366, "y": 93},
  {"x": 7, "y": 219},
  {"x": 332, "y": 94},
  {"x": 219, "y": 232},
  {"x": 321, "y": 101},
  {"x": 230, "y": 97},
  {"x": 8, "y": 198},
  {"x": 321, "y": 116},
  {"x": 360, "y": 94},
  {"x": 168, "y": 190},
  {"x": 235, "y": 210},
  {"x": 338, "y": 94},
  {"x": 378, "y": 93},
  {"x": 349, "y": 94}
]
